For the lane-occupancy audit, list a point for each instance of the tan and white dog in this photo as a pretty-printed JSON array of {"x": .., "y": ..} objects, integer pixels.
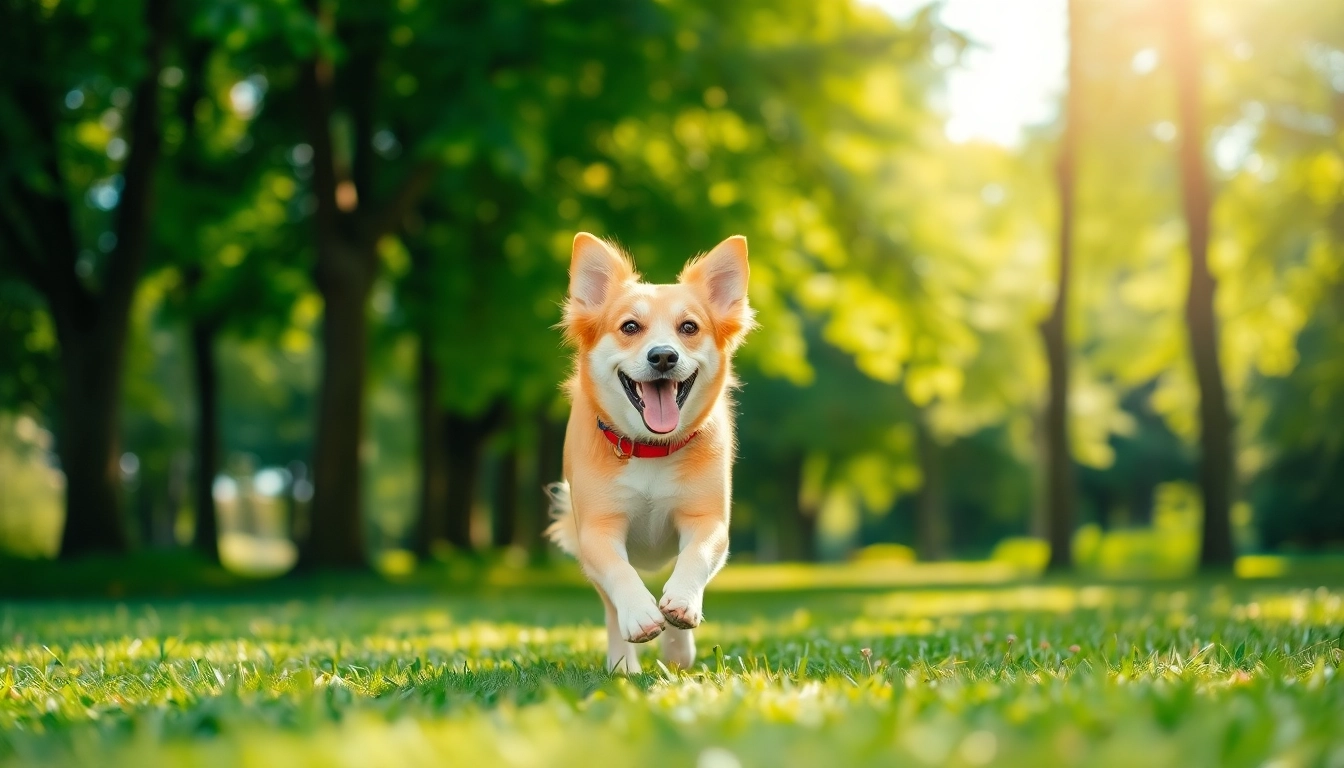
[{"x": 649, "y": 448}]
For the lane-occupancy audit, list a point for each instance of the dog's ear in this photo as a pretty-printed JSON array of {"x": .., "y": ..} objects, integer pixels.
[
  {"x": 594, "y": 268},
  {"x": 722, "y": 276}
]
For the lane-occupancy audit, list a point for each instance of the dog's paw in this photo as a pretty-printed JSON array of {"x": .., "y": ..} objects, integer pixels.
[
  {"x": 641, "y": 622},
  {"x": 679, "y": 648},
  {"x": 624, "y": 664},
  {"x": 681, "y": 611}
]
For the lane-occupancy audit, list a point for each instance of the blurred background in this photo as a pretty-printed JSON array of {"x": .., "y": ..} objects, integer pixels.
[{"x": 1038, "y": 281}]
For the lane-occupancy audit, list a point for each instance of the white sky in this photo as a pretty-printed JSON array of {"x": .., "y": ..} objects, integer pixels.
[{"x": 1012, "y": 75}]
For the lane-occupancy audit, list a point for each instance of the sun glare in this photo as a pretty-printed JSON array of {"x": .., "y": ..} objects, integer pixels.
[{"x": 1012, "y": 75}]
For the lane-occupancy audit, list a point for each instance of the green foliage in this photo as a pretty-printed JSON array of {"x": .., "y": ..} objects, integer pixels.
[
  {"x": 1059, "y": 674},
  {"x": 28, "y": 353}
]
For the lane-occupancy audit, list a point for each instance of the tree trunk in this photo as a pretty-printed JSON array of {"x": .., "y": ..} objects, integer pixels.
[
  {"x": 465, "y": 438},
  {"x": 206, "y": 538},
  {"x": 1059, "y": 487},
  {"x": 139, "y": 500},
  {"x": 463, "y": 470},
  {"x": 1215, "y": 434},
  {"x": 299, "y": 504},
  {"x": 531, "y": 509},
  {"x": 1105, "y": 501},
  {"x": 807, "y": 550},
  {"x": 179, "y": 486},
  {"x": 550, "y": 454},
  {"x": 1038, "y": 525},
  {"x": 797, "y": 522},
  {"x": 433, "y": 456},
  {"x": 336, "y": 539},
  {"x": 766, "y": 530},
  {"x": 89, "y": 446},
  {"x": 504, "y": 521},
  {"x": 930, "y": 506},
  {"x": 202, "y": 330}
]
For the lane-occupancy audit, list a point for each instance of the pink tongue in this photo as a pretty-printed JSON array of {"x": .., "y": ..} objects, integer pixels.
[{"x": 660, "y": 406}]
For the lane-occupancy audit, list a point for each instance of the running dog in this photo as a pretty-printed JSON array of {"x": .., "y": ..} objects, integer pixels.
[{"x": 649, "y": 447}]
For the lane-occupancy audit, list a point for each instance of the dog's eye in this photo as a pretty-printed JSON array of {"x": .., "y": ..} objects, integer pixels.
[
  {"x": 630, "y": 327},
  {"x": 689, "y": 328}
]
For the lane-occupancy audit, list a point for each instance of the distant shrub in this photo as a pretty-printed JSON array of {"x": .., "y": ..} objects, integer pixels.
[
  {"x": 1026, "y": 554},
  {"x": 885, "y": 553},
  {"x": 1170, "y": 547},
  {"x": 32, "y": 490}
]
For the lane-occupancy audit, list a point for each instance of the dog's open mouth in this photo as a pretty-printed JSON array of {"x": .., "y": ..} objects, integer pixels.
[{"x": 658, "y": 401}]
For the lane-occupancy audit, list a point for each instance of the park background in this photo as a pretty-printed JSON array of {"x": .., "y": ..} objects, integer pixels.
[
  {"x": 279, "y": 281},
  {"x": 1042, "y": 433}
]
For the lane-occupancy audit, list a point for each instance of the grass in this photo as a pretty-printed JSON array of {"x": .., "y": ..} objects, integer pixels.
[{"x": 1039, "y": 673}]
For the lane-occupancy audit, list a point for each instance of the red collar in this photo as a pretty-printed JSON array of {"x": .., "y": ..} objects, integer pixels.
[{"x": 625, "y": 447}]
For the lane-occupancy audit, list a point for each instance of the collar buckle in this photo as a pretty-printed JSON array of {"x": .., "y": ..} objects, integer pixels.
[{"x": 616, "y": 448}]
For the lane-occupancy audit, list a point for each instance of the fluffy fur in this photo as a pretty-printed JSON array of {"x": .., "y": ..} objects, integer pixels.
[{"x": 618, "y": 515}]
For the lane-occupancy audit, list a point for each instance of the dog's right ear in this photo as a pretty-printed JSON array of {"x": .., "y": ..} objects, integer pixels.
[{"x": 594, "y": 269}]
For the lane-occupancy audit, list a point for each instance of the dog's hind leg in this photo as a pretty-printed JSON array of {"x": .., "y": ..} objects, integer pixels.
[
  {"x": 621, "y": 655},
  {"x": 679, "y": 647}
]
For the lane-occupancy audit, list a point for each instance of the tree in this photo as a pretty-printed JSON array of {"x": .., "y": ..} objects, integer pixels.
[
  {"x": 931, "y": 510},
  {"x": 205, "y": 535},
  {"x": 1059, "y": 485},
  {"x": 89, "y": 303},
  {"x": 203, "y": 327},
  {"x": 348, "y": 224},
  {"x": 504, "y": 529},
  {"x": 1215, "y": 422},
  {"x": 432, "y": 525}
]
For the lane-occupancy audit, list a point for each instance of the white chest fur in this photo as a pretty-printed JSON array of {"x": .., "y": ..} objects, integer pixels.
[{"x": 648, "y": 490}]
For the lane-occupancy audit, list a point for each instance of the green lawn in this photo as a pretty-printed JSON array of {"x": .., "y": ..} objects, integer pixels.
[{"x": 1036, "y": 674}]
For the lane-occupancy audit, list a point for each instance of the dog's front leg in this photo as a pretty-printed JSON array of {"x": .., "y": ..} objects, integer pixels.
[
  {"x": 704, "y": 548},
  {"x": 603, "y": 556}
]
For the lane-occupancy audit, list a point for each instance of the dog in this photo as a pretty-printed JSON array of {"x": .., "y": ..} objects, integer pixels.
[{"x": 649, "y": 447}]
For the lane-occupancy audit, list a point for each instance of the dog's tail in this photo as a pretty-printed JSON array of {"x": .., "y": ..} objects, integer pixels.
[{"x": 563, "y": 529}]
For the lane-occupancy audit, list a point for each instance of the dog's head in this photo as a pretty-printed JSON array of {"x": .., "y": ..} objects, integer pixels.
[{"x": 655, "y": 358}]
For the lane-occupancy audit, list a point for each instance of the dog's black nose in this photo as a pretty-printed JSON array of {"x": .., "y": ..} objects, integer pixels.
[{"x": 662, "y": 358}]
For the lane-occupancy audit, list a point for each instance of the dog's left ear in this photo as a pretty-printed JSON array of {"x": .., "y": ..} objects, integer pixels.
[{"x": 723, "y": 274}]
